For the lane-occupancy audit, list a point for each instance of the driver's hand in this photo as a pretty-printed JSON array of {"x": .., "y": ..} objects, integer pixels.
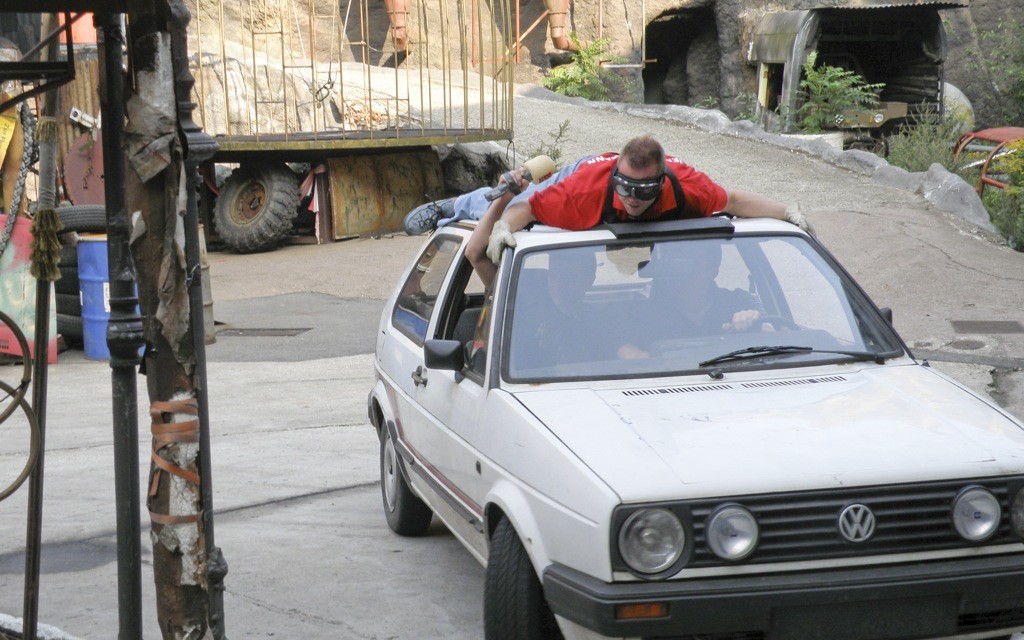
[{"x": 742, "y": 320}]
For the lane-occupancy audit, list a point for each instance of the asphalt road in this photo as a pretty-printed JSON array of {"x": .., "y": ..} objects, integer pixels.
[{"x": 295, "y": 461}]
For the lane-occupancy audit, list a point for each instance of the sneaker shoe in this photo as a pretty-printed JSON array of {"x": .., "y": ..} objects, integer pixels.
[{"x": 424, "y": 217}]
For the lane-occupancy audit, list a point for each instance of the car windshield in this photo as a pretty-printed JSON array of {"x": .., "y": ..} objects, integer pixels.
[{"x": 681, "y": 306}]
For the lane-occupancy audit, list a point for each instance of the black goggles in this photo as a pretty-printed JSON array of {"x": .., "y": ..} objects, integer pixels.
[{"x": 646, "y": 189}]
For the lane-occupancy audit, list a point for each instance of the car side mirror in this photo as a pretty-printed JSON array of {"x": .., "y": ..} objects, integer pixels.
[
  {"x": 446, "y": 355},
  {"x": 887, "y": 314}
]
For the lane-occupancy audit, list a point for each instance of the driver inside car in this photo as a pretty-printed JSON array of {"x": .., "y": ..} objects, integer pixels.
[
  {"x": 551, "y": 315},
  {"x": 686, "y": 301}
]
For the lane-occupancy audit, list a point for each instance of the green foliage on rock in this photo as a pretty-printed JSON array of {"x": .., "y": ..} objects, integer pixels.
[
  {"x": 929, "y": 137},
  {"x": 827, "y": 91},
  {"x": 1006, "y": 207},
  {"x": 584, "y": 77}
]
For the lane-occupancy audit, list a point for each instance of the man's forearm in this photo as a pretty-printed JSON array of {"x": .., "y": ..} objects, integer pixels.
[
  {"x": 747, "y": 204},
  {"x": 476, "y": 246}
]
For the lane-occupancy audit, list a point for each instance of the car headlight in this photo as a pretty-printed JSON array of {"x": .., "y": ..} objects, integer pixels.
[
  {"x": 976, "y": 514},
  {"x": 651, "y": 540},
  {"x": 1017, "y": 513},
  {"x": 732, "y": 532}
]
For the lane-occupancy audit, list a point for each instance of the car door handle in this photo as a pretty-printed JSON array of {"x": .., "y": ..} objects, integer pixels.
[{"x": 418, "y": 378}]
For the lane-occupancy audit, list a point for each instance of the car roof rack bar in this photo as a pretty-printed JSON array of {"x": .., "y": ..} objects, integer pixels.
[{"x": 695, "y": 226}]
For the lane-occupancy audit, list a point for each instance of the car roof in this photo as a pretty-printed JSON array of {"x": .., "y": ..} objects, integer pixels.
[{"x": 541, "y": 235}]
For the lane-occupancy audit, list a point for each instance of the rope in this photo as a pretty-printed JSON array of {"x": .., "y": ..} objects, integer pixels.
[{"x": 28, "y": 126}]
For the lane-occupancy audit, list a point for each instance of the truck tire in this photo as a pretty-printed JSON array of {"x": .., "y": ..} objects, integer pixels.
[
  {"x": 68, "y": 282},
  {"x": 69, "y": 304},
  {"x": 70, "y": 327},
  {"x": 257, "y": 207},
  {"x": 84, "y": 218}
]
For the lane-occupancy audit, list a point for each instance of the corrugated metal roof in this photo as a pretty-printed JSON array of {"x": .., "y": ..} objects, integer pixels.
[{"x": 888, "y": 4}]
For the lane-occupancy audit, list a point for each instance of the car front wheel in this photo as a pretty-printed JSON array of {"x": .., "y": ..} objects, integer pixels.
[
  {"x": 514, "y": 604},
  {"x": 407, "y": 515}
]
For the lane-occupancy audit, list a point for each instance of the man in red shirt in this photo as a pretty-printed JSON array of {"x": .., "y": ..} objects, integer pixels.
[{"x": 641, "y": 184}]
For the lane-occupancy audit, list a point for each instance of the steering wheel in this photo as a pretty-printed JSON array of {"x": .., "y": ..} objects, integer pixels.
[{"x": 778, "y": 322}]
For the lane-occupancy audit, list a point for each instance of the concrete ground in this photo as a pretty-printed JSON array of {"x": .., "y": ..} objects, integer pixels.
[{"x": 298, "y": 511}]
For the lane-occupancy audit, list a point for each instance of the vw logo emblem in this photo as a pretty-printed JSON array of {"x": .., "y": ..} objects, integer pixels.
[{"x": 856, "y": 523}]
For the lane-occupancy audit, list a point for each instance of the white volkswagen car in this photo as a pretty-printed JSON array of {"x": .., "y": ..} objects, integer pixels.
[{"x": 696, "y": 429}]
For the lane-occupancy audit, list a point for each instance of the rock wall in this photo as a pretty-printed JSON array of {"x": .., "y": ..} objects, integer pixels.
[{"x": 696, "y": 49}]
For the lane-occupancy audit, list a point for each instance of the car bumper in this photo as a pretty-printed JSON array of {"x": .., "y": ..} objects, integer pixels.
[{"x": 963, "y": 597}]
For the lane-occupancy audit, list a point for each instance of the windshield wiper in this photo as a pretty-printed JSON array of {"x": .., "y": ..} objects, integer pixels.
[{"x": 759, "y": 352}]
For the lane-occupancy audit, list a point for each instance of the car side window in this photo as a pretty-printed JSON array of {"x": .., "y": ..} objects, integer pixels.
[
  {"x": 476, "y": 350},
  {"x": 419, "y": 293}
]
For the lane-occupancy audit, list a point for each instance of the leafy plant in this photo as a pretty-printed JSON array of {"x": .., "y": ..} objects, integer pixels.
[
  {"x": 710, "y": 102},
  {"x": 928, "y": 137},
  {"x": 1006, "y": 207},
  {"x": 748, "y": 108},
  {"x": 1001, "y": 58},
  {"x": 584, "y": 77},
  {"x": 828, "y": 91},
  {"x": 552, "y": 148}
]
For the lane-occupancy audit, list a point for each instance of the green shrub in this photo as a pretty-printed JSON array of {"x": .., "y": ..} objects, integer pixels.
[
  {"x": 552, "y": 148},
  {"x": 1000, "y": 58},
  {"x": 827, "y": 91},
  {"x": 929, "y": 137},
  {"x": 1006, "y": 207},
  {"x": 584, "y": 77}
]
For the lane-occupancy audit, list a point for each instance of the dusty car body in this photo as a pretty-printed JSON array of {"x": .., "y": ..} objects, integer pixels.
[{"x": 629, "y": 473}]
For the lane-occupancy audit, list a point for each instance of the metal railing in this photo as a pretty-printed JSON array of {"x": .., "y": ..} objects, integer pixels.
[{"x": 295, "y": 74}]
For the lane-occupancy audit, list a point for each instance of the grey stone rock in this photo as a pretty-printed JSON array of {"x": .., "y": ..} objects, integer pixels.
[
  {"x": 862, "y": 162},
  {"x": 898, "y": 177},
  {"x": 949, "y": 192},
  {"x": 472, "y": 165}
]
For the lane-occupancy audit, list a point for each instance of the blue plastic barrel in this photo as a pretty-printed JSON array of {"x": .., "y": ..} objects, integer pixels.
[{"x": 94, "y": 283}]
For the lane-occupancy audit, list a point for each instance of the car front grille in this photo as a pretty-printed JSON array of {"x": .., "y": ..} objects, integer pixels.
[
  {"x": 804, "y": 525},
  {"x": 1005, "y": 619}
]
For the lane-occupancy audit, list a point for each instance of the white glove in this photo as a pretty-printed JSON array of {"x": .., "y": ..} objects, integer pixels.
[
  {"x": 501, "y": 237},
  {"x": 793, "y": 216}
]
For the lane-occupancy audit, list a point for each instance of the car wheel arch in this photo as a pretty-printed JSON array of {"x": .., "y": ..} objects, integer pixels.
[
  {"x": 513, "y": 507},
  {"x": 378, "y": 410}
]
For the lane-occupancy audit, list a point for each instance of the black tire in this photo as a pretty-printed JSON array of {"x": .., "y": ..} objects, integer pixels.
[
  {"x": 69, "y": 304},
  {"x": 84, "y": 218},
  {"x": 69, "y": 255},
  {"x": 68, "y": 282},
  {"x": 514, "y": 604},
  {"x": 407, "y": 515},
  {"x": 70, "y": 327},
  {"x": 257, "y": 207}
]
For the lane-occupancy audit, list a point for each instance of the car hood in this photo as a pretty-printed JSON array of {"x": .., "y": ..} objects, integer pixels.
[{"x": 876, "y": 425}]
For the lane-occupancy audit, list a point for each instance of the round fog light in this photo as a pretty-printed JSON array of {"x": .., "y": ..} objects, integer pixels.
[
  {"x": 976, "y": 514},
  {"x": 651, "y": 540},
  {"x": 732, "y": 532}
]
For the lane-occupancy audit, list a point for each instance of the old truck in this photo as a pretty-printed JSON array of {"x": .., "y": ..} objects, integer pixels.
[
  {"x": 338, "y": 105},
  {"x": 901, "y": 44}
]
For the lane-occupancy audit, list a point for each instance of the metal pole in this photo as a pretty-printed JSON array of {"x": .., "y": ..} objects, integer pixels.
[
  {"x": 34, "y": 540},
  {"x": 199, "y": 147},
  {"x": 124, "y": 332}
]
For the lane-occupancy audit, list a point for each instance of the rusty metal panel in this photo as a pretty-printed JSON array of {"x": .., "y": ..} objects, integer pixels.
[
  {"x": 351, "y": 74},
  {"x": 775, "y": 35},
  {"x": 372, "y": 194}
]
